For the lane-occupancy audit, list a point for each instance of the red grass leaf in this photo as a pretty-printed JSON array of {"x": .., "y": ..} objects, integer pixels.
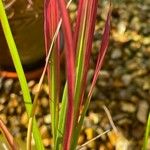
[
  {"x": 46, "y": 26},
  {"x": 9, "y": 137},
  {"x": 78, "y": 22},
  {"x": 102, "y": 52},
  {"x": 69, "y": 49},
  {"x": 91, "y": 26}
]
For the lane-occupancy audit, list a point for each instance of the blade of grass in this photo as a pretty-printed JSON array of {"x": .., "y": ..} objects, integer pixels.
[
  {"x": 147, "y": 134},
  {"x": 29, "y": 132},
  {"x": 90, "y": 24},
  {"x": 20, "y": 72},
  {"x": 76, "y": 32},
  {"x": 63, "y": 110},
  {"x": 35, "y": 101},
  {"x": 103, "y": 48},
  {"x": 80, "y": 57},
  {"x": 54, "y": 66},
  {"x": 85, "y": 45},
  {"x": 70, "y": 74},
  {"x": 8, "y": 136},
  {"x": 102, "y": 51}
]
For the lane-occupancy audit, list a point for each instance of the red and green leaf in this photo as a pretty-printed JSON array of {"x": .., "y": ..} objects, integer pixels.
[
  {"x": 51, "y": 22},
  {"x": 70, "y": 70},
  {"x": 102, "y": 52}
]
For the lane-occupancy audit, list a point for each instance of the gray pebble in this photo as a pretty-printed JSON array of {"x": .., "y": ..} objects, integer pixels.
[
  {"x": 142, "y": 111},
  {"x": 116, "y": 54}
]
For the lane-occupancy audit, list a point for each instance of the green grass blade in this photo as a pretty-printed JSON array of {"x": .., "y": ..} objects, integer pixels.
[
  {"x": 20, "y": 72},
  {"x": 80, "y": 61},
  {"x": 62, "y": 118},
  {"x": 79, "y": 126},
  {"x": 147, "y": 134}
]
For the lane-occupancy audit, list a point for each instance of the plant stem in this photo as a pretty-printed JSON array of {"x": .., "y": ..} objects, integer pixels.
[
  {"x": 20, "y": 72},
  {"x": 147, "y": 132}
]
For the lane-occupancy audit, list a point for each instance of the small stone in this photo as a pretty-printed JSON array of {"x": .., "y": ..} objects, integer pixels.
[
  {"x": 124, "y": 121},
  {"x": 24, "y": 119},
  {"x": 122, "y": 143},
  {"x": 47, "y": 119},
  {"x": 72, "y": 17},
  {"x": 81, "y": 139},
  {"x": 8, "y": 85},
  {"x": 89, "y": 133},
  {"x": 87, "y": 122},
  {"x": 3, "y": 118},
  {"x": 44, "y": 102},
  {"x": 46, "y": 142},
  {"x": 13, "y": 101},
  {"x": 102, "y": 147},
  {"x": 142, "y": 111},
  {"x": 72, "y": 7},
  {"x": 126, "y": 79},
  {"x": 118, "y": 71},
  {"x": 2, "y": 100},
  {"x": 1, "y": 107},
  {"x": 128, "y": 107},
  {"x": 16, "y": 131},
  {"x": 146, "y": 40},
  {"x": 31, "y": 83},
  {"x": 121, "y": 27},
  {"x": 146, "y": 85},
  {"x": 11, "y": 111},
  {"x": 14, "y": 121},
  {"x": 94, "y": 117},
  {"x": 46, "y": 88},
  {"x": 117, "y": 83},
  {"x": 19, "y": 110},
  {"x": 104, "y": 74},
  {"x": 35, "y": 89},
  {"x": 44, "y": 131},
  {"x": 116, "y": 54},
  {"x": 38, "y": 110}
]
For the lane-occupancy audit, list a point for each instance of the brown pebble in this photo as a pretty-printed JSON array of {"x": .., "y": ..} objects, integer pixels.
[
  {"x": 72, "y": 7},
  {"x": 142, "y": 111},
  {"x": 1, "y": 107},
  {"x": 31, "y": 83},
  {"x": 35, "y": 89},
  {"x": 47, "y": 119},
  {"x": 46, "y": 142},
  {"x": 102, "y": 147},
  {"x": 81, "y": 139},
  {"x": 3, "y": 118},
  {"x": 44, "y": 131},
  {"x": 19, "y": 109},
  {"x": 44, "y": 102},
  {"x": 46, "y": 88},
  {"x": 128, "y": 107},
  {"x": 89, "y": 133},
  {"x": 24, "y": 119}
]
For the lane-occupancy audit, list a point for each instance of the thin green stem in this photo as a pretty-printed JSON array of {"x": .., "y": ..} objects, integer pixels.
[
  {"x": 20, "y": 72},
  {"x": 147, "y": 133}
]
